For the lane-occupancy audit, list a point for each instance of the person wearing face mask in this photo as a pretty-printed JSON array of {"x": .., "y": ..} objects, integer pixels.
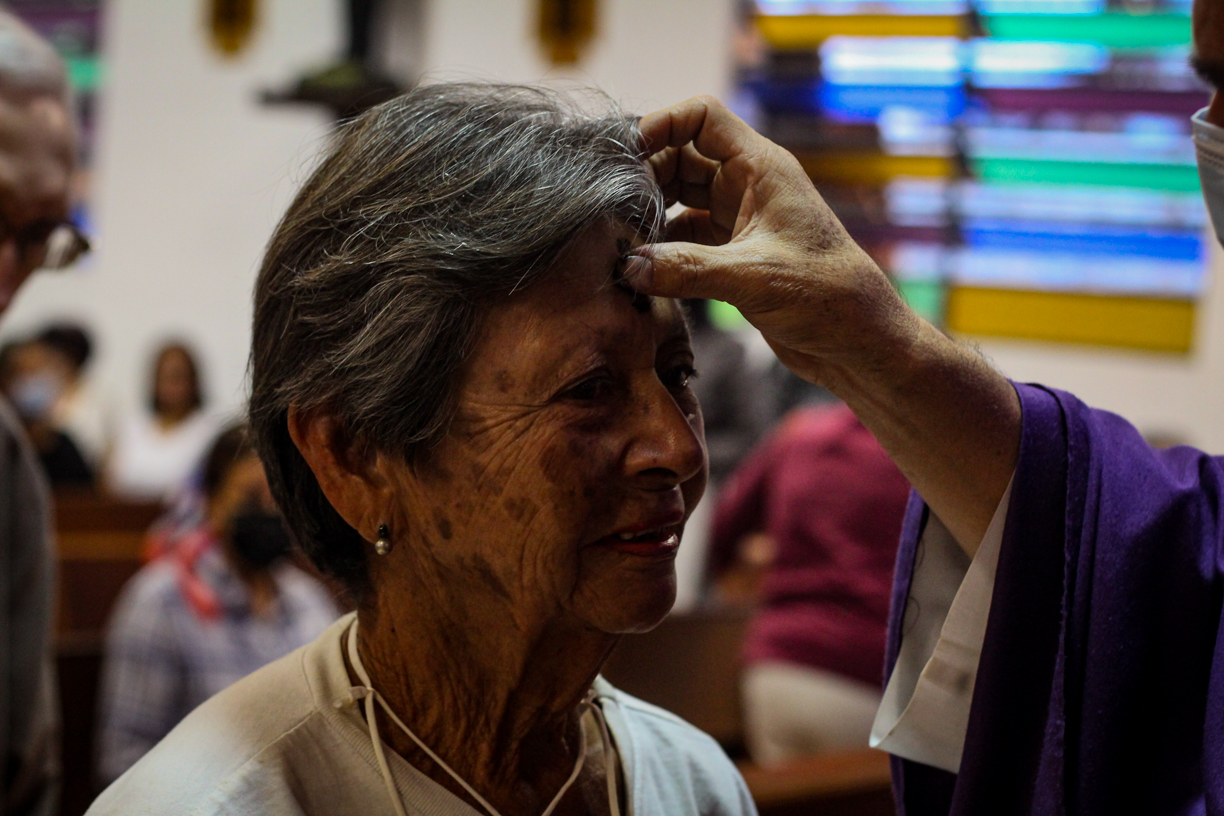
[
  {"x": 33, "y": 379},
  {"x": 219, "y": 601}
]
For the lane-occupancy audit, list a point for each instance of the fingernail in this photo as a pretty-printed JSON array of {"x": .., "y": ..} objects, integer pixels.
[{"x": 639, "y": 270}]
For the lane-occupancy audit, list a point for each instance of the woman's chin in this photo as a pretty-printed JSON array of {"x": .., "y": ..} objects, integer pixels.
[{"x": 625, "y": 607}]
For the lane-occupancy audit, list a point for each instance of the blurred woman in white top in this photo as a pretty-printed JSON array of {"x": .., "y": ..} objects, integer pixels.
[{"x": 157, "y": 451}]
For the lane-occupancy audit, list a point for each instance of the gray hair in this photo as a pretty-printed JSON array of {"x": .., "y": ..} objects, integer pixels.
[
  {"x": 428, "y": 209},
  {"x": 29, "y": 65}
]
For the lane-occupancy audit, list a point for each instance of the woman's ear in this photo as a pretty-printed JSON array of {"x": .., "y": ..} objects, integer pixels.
[{"x": 352, "y": 479}]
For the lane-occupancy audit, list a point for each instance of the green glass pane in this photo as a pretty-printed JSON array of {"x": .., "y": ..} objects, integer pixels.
[
  {"x": 1112, "y": 29},
  {"x": 1174, "y": 177},
  {"x": 924, "y": 297},
  {"x": 726, "y": 317},
  {"x": 84, "y": 72}
]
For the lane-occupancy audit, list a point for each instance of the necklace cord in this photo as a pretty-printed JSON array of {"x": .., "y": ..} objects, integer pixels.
[{"x": 367, "y": 692}]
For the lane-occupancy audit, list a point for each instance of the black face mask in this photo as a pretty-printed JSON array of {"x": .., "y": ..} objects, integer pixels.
[{"x": 259, "y": 538}]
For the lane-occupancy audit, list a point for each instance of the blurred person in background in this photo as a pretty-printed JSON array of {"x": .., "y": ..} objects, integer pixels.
[
  {"x": 157, "y": 450},
  {"x": 817, "y": 510},
  {"x": 735, "y": 412},
  {"x": 34, "y": 376},
  {"x": 37, "y": 159},
  {"x": 219, "y": 602},
  {"x": 79, "y": 412}
]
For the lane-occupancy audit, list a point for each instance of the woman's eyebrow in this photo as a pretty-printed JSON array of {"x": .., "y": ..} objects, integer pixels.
[{"x": 677, "y": 329}]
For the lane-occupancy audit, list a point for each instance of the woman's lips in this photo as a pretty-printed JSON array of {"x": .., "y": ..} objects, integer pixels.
[{"x": 649, "y": 544}]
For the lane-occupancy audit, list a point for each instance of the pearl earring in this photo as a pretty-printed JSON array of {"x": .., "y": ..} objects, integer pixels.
[{"x": 383, "y": 545}]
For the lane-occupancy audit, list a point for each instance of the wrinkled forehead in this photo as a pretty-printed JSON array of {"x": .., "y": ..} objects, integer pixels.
[
  {"x": 579, "y": 313},
  {"x": 37, "y": 145}
]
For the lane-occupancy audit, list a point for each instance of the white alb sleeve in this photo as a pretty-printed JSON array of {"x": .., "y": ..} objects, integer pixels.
[{"x": 925, "y": 710}]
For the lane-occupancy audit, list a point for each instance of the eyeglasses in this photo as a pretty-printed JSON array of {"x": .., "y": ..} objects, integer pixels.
[{"x": 46, "y": 244}]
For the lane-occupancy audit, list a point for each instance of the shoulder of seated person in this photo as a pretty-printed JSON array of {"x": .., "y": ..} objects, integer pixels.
[
  {"x": 154, "y": 584},
  {"x": 304, "y": 588},
  {"x": 239, "y": 738},
  {"x": 287, "y": 573},
  {"x": 10, "y": 424}
]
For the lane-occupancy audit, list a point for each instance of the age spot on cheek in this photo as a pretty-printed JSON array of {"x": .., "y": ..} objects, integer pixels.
[
  {"x": 504, "y": 381},
  {"x": 482, "y": 569},
  {"x": 520, "y": 508},
  {"x": 556, "y": 464}
]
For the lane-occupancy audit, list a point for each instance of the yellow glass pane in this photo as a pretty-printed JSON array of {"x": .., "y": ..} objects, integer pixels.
[
  {"x": 810, "y": 30},
  {"x": 1130, "y": 322},
  {"x": 848, "y": 167}
]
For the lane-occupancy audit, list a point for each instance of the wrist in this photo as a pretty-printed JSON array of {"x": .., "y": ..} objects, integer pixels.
[{"x": 886, "y": 352}]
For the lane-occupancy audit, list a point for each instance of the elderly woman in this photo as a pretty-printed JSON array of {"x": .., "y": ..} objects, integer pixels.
[{"x": 478, "y": 430}]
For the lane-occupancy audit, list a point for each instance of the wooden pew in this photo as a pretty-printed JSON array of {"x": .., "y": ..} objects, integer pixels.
[
  {"x": 855, "y": 783},
  {"x": 99, "y": 545},
  {"x": 99, "y": 542},
  {"x": 689, "y": 664}
]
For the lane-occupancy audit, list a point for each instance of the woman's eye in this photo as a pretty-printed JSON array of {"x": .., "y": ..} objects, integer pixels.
[
  {"x": 679, "y": 376},
  {"x": 591, "y": 389}
]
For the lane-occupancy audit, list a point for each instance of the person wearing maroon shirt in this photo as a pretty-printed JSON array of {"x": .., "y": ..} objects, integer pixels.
[{"x": 823, "y": 498}]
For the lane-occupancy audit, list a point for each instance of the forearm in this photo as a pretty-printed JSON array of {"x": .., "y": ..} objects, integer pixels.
[{"x": 949, "y": 421}]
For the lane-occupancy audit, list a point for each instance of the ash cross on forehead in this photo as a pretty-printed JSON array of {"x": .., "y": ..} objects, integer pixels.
[{"x": 638, "y": 300}]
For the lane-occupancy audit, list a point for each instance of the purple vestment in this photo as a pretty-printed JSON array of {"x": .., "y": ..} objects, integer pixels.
[{"x": 1100, "y": 689}]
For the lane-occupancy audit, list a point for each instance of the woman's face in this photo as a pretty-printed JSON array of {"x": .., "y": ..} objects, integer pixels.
[
  {"x": 575, "y": 430},
  {"x": 175, "y": 383}
]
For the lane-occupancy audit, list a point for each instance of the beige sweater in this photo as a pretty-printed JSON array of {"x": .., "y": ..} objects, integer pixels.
[{"x": 289, "y": 740}]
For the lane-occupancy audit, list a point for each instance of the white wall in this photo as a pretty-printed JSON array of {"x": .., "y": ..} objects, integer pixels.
[{"x": 646, "y": 54}]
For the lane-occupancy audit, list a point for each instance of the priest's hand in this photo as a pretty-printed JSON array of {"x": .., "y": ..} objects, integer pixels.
[{"x": 758, "y": 235}]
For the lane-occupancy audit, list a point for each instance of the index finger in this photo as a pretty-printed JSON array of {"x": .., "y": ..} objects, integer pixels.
[{"x": 714, "y": 130}]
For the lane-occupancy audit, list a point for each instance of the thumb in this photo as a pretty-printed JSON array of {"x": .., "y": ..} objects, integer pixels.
[{"x": 682, "y": 270}]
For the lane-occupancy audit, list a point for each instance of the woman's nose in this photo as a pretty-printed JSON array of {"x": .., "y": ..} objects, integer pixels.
[{"x": 666, "y": 450}]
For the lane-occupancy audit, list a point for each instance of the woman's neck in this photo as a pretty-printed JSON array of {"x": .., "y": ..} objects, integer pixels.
[{"x": 496, "y": 697}]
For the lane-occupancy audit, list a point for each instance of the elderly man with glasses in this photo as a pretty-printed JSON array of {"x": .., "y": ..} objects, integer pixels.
[{"x": 38, "y": 145}]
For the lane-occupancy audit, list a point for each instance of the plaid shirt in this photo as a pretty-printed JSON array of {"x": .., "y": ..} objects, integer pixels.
[{"x": 163, "y": 659}]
